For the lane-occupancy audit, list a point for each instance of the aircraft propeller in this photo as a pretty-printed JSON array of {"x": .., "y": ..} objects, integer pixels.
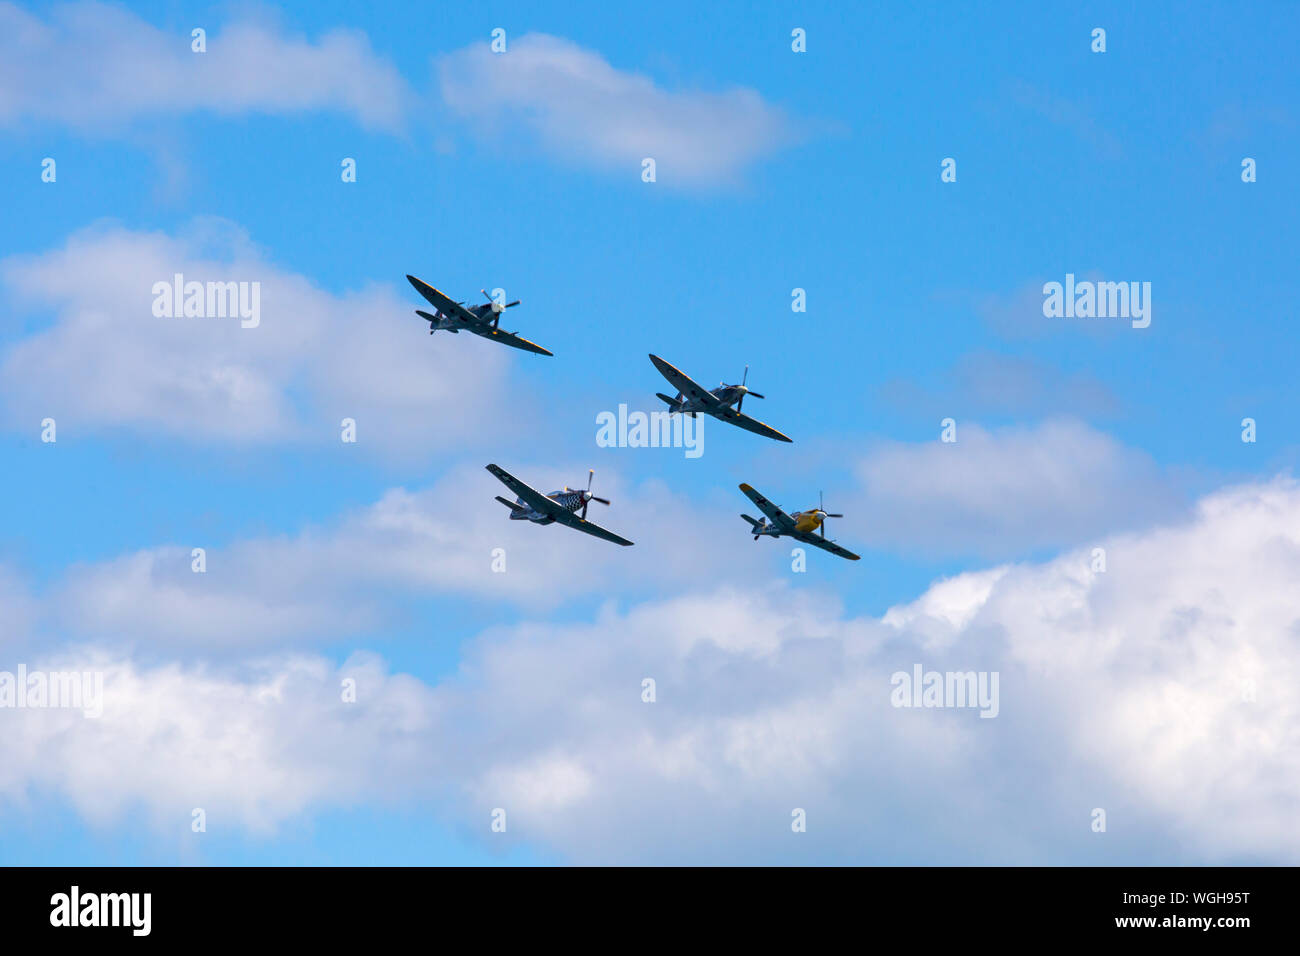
[
  {"x": 587, "y": 496},
  {"x": 745, "y": 391},
  {"x": 497, "y": 307},
  {"x": 821, "y": 508}
]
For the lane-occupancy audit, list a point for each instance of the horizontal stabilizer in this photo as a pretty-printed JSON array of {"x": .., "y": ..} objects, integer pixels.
[
  {"x": 753, "y": 522},
  {"x": 509, "y": 504},
  {"x": 673, "y": 404}
]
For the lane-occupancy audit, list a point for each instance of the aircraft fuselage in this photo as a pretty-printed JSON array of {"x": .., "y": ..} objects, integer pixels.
[
  {"x": 451, "y": 324},
  {"x": 805, "y": 521},
  {"x": 566, "y": 498},
  {"x": 727, "y": 395}
]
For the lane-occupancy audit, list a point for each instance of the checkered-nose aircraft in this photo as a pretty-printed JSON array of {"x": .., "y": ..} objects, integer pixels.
[
  {"x": 693, "y": 399},
  {"x": 562, "y": 506},
  {"x": 801, "y": 525},
  {"x": 480, "y": 319}
]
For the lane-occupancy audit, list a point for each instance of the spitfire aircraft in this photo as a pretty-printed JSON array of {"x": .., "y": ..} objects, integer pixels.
[
  {"x": 561, "y": 506},
  {"x": 692, "y": 400},
  {"x": 801, "y": 525},
  {"x": 480, "y": 319}
]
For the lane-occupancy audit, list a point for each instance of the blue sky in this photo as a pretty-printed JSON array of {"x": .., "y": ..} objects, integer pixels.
[{"x": 776, "y": 170}]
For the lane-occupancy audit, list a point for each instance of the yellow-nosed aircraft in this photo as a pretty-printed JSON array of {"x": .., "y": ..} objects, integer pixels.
[{"x": 802, "y": 525}]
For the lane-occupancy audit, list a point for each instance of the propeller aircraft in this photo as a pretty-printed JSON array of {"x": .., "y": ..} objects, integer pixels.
[
  {"x": 802, "y": 525},
  {"x": 484, "y": 320},
  {"x": 693, "y": 399},
  {"x": 562, "y": 506}
]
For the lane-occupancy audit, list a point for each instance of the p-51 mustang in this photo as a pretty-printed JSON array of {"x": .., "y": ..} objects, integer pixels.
[
  {"x": 480, "y": 319},
  {"x": 801, "y": 525},
  {"x": 561, "y": 506},
  {"x": 692, "y": 400}
]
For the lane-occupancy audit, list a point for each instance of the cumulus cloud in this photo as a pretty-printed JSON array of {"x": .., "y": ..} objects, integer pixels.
[
  {"x": 347, "y": 577},
  {"x": 1158, "y": 689},
  {"x": 999, "y": 493},
  {"x": 252, "y": 747},
  {"x": 107, "y": 361},
  {"x": 96, "y": 66},
  {"x": 585, "y": 110}
]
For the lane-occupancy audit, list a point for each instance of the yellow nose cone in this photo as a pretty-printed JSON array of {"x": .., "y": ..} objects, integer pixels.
[{"x": 808, "y": 522}]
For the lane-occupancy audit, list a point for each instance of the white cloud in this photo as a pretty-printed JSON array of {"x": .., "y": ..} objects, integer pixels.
[
  {"x": 344, "y": 578},
  {"x": 108, "y": 362},
  {"x": 251, "y": 748},
  {"x": 95, "y": 66},
  {"x": 998, "y": 493},
  {"x": 1122, "y": 690},
  {"x": 587, "y": 111},
  {"x": 1160, "y": 690}
]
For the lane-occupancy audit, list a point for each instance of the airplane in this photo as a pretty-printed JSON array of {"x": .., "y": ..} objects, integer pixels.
[
  {"x": 561, "y": 506},
  {"x": 482, "y": 320},
  {"x": 799, "y": 525},
  {"x": 692, "y": 399}
]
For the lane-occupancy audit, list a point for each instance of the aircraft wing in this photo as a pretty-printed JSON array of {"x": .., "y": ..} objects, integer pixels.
[
  {"x": 774, "y": 514},
  {"x": 741, "y": 420},
  {"x": 539, "y": 502},
  {"x": 817, "y": 541},
  {"x": 526, "y": 493},
  {"x": 680, "y": 381},
  {"x": 443, "y": 304},
  {"x": 507, "y": 338},
  {"x": 582, "y": 524}
]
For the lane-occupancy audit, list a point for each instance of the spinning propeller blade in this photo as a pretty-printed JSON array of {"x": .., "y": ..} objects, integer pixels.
[
  {"x": 497, "y": 306},
  {"x": 821, "y": 506},
  {"x": 745, "y": 392},
  {"x": 587, "y": 496}
]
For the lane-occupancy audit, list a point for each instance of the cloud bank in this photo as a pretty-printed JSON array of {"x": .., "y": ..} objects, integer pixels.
[{"x": 1159, "y": 690}]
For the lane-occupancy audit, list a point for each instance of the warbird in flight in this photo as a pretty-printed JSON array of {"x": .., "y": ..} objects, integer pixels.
[
  {"x": 801, "y": 525},
  {"x": 480, "y": 319},
  {"x": 692, "y": 400},
  {"x": 562, "y": 506}
]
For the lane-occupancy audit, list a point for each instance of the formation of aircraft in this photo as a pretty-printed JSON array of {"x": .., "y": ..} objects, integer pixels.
[
  {"x": 484, "y": 320},
  {"x": 802, "y": 525},
  {"x": 693, "y": 399},
  {"x": 568, "y": 506},
  {"x": 559, "y": 506}
]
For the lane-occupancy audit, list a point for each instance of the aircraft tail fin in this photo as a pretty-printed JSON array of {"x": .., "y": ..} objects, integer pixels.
[
  {"x": 673, "y": 404},
  {"x": 433, "y": 322},
  {"x": 753, "y": 522}
]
